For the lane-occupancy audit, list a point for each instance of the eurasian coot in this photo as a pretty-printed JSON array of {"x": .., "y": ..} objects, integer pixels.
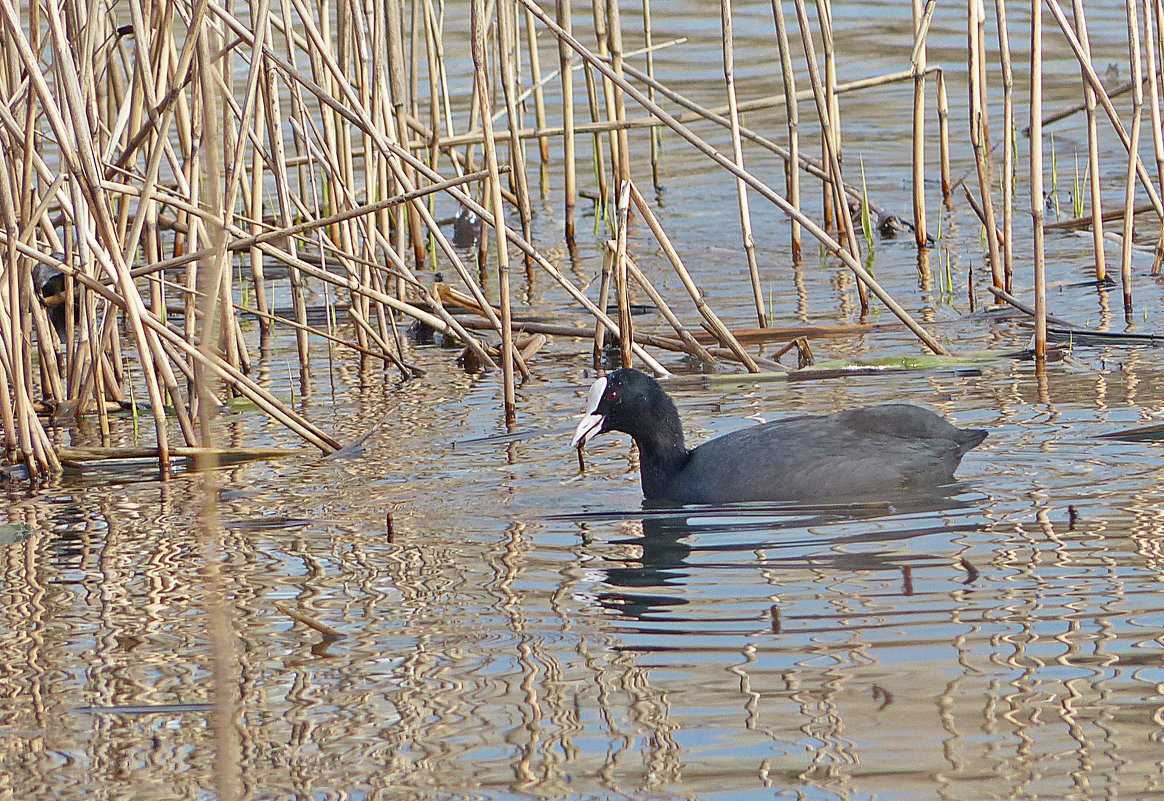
[{"x": 854, "y": 453}]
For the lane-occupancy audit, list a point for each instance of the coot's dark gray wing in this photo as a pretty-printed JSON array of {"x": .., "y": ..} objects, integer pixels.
[{"x": 860, "y": 452}]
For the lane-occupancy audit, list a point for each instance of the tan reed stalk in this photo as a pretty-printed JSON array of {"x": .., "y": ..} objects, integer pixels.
[
  {"x": 436, "y": 83},
  {"x": 1036, "y": 172},
  {"x": 1092, "y": 150},
  {"x": 1104, "y": 99},
  {"x": 792, "y": 111},
  {"x": 978, "y": 136},
  {"x": 535, "y": 70},
  {"x": 758, "y": 186},
  {"x": 480, "y": 79},
  {"x": 918, "y": 63},
  {"x": 622, "y": 285},
  {"x": 396, "y": 85},
  {"x": 655, "y": 133},
  {"x": 824, "y": 15},
  {"x": 831, "y": 147},
  {"x": 566, "y": 65},
  {"x": 507, "y": 57},
  {"x": 725, "y": 13},
  {"x": 944, "y": 140},
  {"x": 622, "y": 160},
  {"x": 1133, "y": 156},
  {"x": 714, "y": 324},
  {"x": 1008, "y": 135},
  {"x": 832, "y": 134},
  {"x": 600, "y": 11},
  {"x": 1154, "y": 106}
]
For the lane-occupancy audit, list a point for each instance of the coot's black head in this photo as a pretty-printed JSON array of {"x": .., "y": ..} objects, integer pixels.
[{"x": 634, "y": 403}]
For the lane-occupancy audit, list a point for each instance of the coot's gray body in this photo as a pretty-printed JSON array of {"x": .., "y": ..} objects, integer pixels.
[{"x": 855, "y": 453}]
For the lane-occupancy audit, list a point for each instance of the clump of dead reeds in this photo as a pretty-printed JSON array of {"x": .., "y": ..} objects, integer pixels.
[{"x": 172, "y": 171}]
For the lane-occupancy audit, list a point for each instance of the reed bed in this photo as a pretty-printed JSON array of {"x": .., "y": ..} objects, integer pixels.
[{"x": 176, "y": 173}]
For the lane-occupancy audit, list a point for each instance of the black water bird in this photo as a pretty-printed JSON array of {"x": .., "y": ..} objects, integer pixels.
[{"x": 857, "y": 453}]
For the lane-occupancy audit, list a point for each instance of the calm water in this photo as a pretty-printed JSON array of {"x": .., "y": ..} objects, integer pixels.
[{"x": 527, "y": 631}]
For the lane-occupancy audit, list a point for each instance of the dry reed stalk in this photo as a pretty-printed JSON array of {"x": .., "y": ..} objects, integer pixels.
[
  {"x": 396, "y": 86},
  {"x": 622, "y": 154},
  {"x": 944, "y": 140},
  {"x": 758, "y": 186},
  {"x": 792, "y": 111},
  {"x": 725, "y": 12},
  {"x": 1133, "y": 157},
  {"x": 507, "y": 57},
  {"x": 535, "y": 69},
  {"x": 1095, "y": 192},
  {"x": 622, "y": 285},
  {"x": 921, "y": 23},
  {"x": 1008, "y": 134},
  {"x": 1104, "y": 99},
  {"x": 566, "y": 62},
  {"x": 1154, "y": 9},
  {"x": 1036, "y": 179},
  {"x": 655, "y": 134},
  {"x": 831, "y": 146},
  {"x": 975, "y": 20},
  {"x": 480, "y": 80}
]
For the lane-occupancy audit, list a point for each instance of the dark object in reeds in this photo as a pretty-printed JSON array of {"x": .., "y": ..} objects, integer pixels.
[{"x": 873, "y": 451}]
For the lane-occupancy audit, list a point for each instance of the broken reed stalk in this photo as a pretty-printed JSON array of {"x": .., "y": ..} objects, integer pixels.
[
  {"x": 1036, "y": 180},
  {"x": 478, "y": 24},
  {"x": 921, "y": 22},
  {"x": 714, "y": 324},
  {"x": 566, "y": 62},
  {"x": 944, "y": 139},
  {"x": 792, "y": 110},
  {"x": 1095, "y": 194},
  {"x": 1133, "y": 157},
  {"x": 655, "y": 133},
  {"x": 1154, "y": 13},
  {"x": 725, "y": 12},
  {"x": 1008, "y": 142},
  {"x": 507, "y": 58},
  {"x": 979, "y": 139}
]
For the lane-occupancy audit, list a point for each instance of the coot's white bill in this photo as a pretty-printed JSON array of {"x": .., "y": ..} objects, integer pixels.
[{"x": 591, "y": 423}]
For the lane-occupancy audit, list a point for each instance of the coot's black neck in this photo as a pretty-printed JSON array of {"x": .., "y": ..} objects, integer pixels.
[{"x": 661, "y": 449}]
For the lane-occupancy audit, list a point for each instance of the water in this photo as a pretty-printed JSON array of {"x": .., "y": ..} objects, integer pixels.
[{"x": 523, "y": 630}]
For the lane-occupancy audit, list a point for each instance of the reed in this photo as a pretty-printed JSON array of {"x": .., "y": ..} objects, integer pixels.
[{"x": 1038, "y": 208}]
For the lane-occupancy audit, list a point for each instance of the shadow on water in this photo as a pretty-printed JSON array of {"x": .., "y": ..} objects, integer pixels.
[{"x": 674, "y": 544}]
